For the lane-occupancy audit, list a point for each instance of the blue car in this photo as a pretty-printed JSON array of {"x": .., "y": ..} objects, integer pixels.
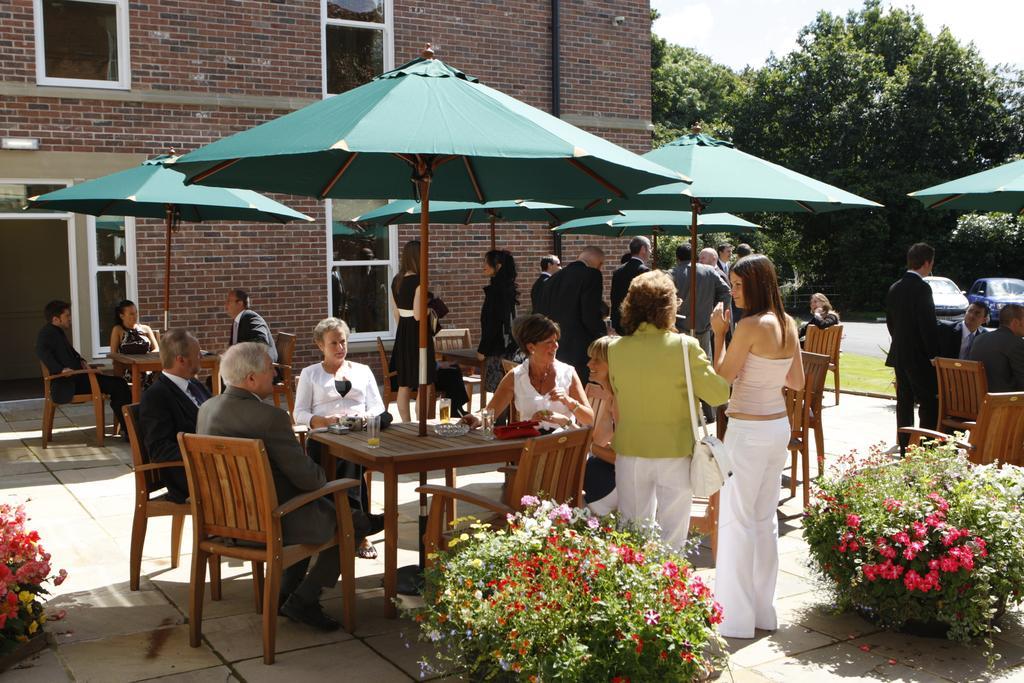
[{"x": 996, "y": 292}]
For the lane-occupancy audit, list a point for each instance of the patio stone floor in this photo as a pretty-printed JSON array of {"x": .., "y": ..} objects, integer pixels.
[{"x": 80, "y": 498}]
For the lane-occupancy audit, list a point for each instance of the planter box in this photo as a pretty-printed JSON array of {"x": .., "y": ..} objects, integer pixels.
[{"x": 24, "y": 651}]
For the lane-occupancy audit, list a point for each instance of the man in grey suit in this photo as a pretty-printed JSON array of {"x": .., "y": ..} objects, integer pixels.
[
  {"x": 711, "y": 291},
  {"x": 240, "y": 412},
  {"x": 1002, "y": 351}
]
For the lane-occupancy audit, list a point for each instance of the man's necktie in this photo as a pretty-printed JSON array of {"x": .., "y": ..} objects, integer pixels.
[
  {"x": 197, "y": 391},
  {"x": 970, "y": 343}
]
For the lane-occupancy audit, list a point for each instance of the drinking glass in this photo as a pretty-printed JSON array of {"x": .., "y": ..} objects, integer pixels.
[
  {"x": 487, "y": 423},
  {"x": 373, "y": 431},
  {"x": 444, "y": 409}
]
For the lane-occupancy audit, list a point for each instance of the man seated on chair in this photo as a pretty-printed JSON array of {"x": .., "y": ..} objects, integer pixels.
[
  {"x": 957, "y": 339},
  {"x": 58, "y": 355},
  {"x": 1002, "y": 351},
  {"x": 240, "y": 412},
  {"x": 171, "y": 405},
  {"x": 248, "y": 325}
]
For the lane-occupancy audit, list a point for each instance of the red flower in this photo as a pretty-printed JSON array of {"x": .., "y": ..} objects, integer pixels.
[{"x": 853, "y": 521}]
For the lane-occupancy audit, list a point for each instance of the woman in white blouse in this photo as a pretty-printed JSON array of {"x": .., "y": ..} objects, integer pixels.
[{"x": 335, "y": 388}]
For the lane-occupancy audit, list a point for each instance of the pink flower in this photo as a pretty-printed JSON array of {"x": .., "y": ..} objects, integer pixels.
[
  {"x": 562, "y": 512},
  {"x": 901, "y": 537},
  {"x": 939, "y": 501},
  {"x": 651, "y": 617},
  {"x": 853, "y": 521},
  {"x": 891, "y": 504},
  {"x": 529, "y": 501}
]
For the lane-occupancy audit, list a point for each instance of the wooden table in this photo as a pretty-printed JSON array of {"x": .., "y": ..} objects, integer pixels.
[
  {"x": 468, "y": 358},
  {"x": 150, "y": 362},
  {"x": 401, "y": 451}
]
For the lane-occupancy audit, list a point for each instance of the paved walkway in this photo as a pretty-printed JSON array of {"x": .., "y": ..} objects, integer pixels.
[{"x": 80, "y": 499}]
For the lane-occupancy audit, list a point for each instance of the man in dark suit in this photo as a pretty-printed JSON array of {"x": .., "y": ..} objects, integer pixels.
[
  {"x": 240, "y": 412},
  {"x": 58, "y": 355},
  {"x": 724, "y": 256},
  {"x": 956, "y": 339},
  {"x": 247, "y": 324},
  {"x": 572, "y": 298},
  {"x": 549, "y": 265},
  {"x": 1002, "y": 351},
  {"x": 639, "y": 252},
  {"x": 910, "y": 317},
  {"x": 171, "y": 405},
  {"x": 711, "y": 291}
]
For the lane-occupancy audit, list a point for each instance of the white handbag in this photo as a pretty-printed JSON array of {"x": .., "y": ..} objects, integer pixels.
[{"x": 710, "y": 465}]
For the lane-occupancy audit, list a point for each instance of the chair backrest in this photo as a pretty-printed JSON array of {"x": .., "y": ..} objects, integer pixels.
[
  {"x": 962, "y": 388},
  {"x": 148, "y": 480},
  {"x": 824, "y": 341},
  {"x": 285, "y": 344},
  {"x": 386, "y": 372},
  {"x": 452, "y": 338},
  {"x": 508, "y": 366},
  {"x": 815, "y": 372},
  {"x": 999, "y": 434},
  {"x": 552, "y": 467},
  {"x": 798, "y": 409},
  {"x": 231, "y": 487}
]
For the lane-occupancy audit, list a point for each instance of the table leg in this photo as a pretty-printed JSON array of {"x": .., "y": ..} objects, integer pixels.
[
  {"x": 390, "y": 542},
  {"x": 136, "y": 384},
  {"x": 450, "y": 503}
]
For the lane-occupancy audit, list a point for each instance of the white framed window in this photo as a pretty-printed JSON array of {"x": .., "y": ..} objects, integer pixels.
[
  {"x": 82, "y": 43},
  {"x": 111, "y": 273},
  {"x": 357, "y": 42},
  {"x": 361, "y": 263}
]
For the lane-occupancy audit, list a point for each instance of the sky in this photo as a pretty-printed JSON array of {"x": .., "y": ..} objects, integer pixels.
[{"x": 744, "y": 32}]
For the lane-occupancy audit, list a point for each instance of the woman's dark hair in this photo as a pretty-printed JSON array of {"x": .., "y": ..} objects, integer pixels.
[
  {"x": 761, "y": 291},
  {"x": 533, "y": 329},
  {"x": 504, "y": 266},
  {"x": 119, "y": 309},
  {"x": 651, "y": 299},
  {"x": 410, "y": 262}
]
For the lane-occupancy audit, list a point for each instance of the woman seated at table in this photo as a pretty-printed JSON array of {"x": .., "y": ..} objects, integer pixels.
[
  {"x": 333, "y": 389},
  {"x": 599, "y": 476},
  {"x": 822, "y": 315},
  {"x": 129, "y": 336},
  {"x": 543, "y": 388}
]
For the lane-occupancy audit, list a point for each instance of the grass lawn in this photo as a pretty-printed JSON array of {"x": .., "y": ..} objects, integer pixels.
[{"x": 864, "y": 373}]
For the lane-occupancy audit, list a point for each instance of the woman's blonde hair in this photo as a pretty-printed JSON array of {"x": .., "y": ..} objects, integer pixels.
[
  {"x": 598, "y": 349},
  {"x": 327, "y": 325},
  {"x": 651, "y": 299},
  {"x": 826, "y": 304}
]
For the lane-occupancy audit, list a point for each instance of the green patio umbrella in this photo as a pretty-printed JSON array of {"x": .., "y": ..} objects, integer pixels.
[
  {"x": 726, "y": 179},
  {"x": 997, "y": 189},
  {"x": 424, "y": 130},
  {"x": 153, "y": 191},
  {"x": 466, "y": 213}
]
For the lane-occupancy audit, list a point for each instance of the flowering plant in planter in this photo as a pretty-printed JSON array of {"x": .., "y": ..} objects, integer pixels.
[
  {"x": 560, "y": 594},
  {"x": 930, "y": 539},
  {"x": 24, "y": 568}
]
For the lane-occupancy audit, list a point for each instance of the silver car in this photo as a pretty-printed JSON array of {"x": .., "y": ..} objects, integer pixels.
[{"x": 950, "y": 302}]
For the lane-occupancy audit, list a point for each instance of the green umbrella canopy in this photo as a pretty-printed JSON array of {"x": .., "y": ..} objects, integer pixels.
[
  {"x": 632, "y": 223},
  {"x": 145, "y": 191},
  {"x": 466, "y": 213},
  {"x": 423, "y": 118},
  {"x": 997, "y": 189}
]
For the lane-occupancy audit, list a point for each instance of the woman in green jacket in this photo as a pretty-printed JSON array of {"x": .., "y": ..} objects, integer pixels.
[{"x": 653, "y": 436}]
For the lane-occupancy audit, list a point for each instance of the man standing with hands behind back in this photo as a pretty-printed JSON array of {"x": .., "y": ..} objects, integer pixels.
[{"x": 910, "y": 317}]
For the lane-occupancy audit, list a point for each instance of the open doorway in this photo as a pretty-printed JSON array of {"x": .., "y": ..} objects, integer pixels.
[{"x": 34, "y": 269}]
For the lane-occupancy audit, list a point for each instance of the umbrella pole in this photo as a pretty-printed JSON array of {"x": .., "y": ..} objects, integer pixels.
[
  {"x": 167, "y": 268},
  {"x": 421, "y": 397},
  {"x": 695, "y": 207},
  {"x": 654, "y": 250},
  {"x": 493, "y": 243}
]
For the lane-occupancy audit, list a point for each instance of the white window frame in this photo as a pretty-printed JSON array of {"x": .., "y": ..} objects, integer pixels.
[
  {"x": 67, "y": 217},
  {"x": 124, "y": 81},
  {"x": 391, "y": 262},
  {"x": 387, "y": 27},
  {"x": 101, "y": 344}
]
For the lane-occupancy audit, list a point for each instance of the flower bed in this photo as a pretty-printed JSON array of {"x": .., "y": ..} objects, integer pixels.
[
  {"x": 929, "y": 539},
  {"x": 562, "y": 595},
  {"x": 24, "y": 568}
]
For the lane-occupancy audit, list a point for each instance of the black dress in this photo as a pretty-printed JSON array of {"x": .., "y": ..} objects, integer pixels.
[{"x": 406, "y": 353}]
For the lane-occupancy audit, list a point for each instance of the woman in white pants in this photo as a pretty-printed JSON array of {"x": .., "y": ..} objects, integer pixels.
[
  {"x": 763, "y": 357},
  {"x": 653, "y": 437}
]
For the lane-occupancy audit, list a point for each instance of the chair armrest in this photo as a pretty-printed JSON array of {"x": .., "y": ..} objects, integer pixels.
[
  {"x": 158, "y": 466},
  {"x": 59, "y": 375},
  {"x": 283, "y": 366},
  {"x": 466, "y": 497},
  {"x": 327, "y": 489},
  {"x": 932, "y": 434},
  {"x": 508, "y": 469}
]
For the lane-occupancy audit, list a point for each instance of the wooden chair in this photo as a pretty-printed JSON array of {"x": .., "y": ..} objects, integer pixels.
[
  {"x": 998, "y": 434},
  {"x": 962, "y": 388},
  {"x": 458, "y": 338},
  {"x": 94, "y": 395},
  {"x": 804, "y": 409},
  {"x": 286, "y": 385},
  {"x": 147, "y": 481},
  {"x": 234, "y": 501},
  {"x": 826, "y": 342},
  {"x": 508, "y": 366},
  {"x": 550, "y": 467}
]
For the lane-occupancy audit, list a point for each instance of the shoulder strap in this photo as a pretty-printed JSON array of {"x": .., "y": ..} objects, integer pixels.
[{"x": 689, "y": 390}]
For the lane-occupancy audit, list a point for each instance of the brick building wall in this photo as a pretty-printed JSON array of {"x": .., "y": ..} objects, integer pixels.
[{"x": 218, "y": 51}]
